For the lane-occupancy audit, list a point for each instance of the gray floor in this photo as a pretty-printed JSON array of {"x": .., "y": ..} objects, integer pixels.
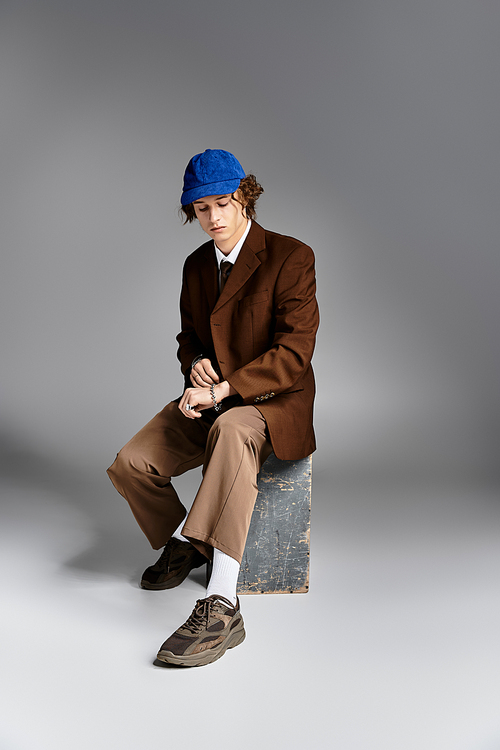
[
  {"x": 373, "y": 127},
  {"x": 396, "y": 646}
]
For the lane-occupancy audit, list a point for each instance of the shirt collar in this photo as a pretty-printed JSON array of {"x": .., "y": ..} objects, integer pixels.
[{"x": 236, "y": 249}]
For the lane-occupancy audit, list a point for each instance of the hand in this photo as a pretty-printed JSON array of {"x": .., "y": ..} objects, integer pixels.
[
  {"x": 198, "y": 399},
  {"x": 201, "y": 398},
  {"x": 203, "y": 374}
]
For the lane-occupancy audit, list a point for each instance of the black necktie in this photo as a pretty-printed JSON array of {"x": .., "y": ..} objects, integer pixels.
[{"x": 225, "y": 270}]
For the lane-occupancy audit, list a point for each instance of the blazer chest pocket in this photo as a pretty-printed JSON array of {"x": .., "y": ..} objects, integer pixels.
[{"x": 253, "y": 299}]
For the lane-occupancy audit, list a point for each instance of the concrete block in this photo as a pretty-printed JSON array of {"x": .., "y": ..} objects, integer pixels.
[{"x": 276, "y": 557}]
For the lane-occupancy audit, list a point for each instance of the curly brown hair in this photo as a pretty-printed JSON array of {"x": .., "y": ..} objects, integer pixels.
[{"x": 247, "y": 194}]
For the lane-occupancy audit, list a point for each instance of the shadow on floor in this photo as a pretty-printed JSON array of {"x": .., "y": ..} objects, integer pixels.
[{"x": 38, "y": 479}]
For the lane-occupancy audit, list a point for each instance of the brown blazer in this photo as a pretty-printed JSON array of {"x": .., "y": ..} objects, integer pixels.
[{"x": 260, "y": 332}]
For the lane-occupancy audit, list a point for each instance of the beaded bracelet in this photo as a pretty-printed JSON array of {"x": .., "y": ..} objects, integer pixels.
[{"x": 217, "y": 406}]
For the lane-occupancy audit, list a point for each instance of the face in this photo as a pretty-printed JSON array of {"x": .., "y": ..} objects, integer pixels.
[{"x": 222, "y": 218}]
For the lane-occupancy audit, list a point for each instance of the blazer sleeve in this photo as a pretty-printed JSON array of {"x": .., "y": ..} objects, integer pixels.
[
  {"x": 190, "y": 345},
  {"x": 294, "y": 323}
]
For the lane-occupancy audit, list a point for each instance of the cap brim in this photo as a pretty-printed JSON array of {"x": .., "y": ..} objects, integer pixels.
[{"x": 212, "y": 188}]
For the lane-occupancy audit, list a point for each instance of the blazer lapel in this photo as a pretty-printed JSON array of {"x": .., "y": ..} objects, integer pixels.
[{"x": 245, "y": 266}]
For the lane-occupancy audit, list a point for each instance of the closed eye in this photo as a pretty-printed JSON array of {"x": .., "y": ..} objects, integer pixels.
[{"x": 221, "y": 205}]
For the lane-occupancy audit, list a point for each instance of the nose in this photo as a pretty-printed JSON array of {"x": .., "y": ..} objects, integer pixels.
[{"x": 214, "y": 214}]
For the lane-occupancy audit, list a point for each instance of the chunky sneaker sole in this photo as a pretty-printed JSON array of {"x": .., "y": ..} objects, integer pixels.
[
  {"x": 207, "y": 657},
  {"x": 213, "y": 627},
  {"x": 176, "y": 580}
]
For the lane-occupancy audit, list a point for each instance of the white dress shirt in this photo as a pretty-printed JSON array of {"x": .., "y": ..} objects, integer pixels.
[{"x": 234, "y": 252}]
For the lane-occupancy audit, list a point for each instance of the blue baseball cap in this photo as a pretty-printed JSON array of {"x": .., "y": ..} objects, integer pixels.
[{"x": 214, "y": 172}]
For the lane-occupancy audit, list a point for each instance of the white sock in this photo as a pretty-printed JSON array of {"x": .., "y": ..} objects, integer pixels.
[
  {"x": 224, "y": 576},
  {"x": 177, "y": 533}
]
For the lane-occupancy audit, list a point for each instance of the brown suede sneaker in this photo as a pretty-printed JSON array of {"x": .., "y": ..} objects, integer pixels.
[
  {"x": 213, "y": 626},
  {"x": 175, "y": 563}
]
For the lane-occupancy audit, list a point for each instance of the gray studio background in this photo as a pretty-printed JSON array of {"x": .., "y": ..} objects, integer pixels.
[{"x": 373, "y": 127}]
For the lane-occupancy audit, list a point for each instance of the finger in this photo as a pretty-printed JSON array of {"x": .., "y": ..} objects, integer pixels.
[
  {"x": 214, "y": 378},
  {"x": 197, "y": 375},
  {"x": 186, "y": 412},
  {"x": 193, "y": 412},
  {"x": 207, "y": 372},
  {"x": 200, "y": 378},
  {"x": 184, "y": 402}
]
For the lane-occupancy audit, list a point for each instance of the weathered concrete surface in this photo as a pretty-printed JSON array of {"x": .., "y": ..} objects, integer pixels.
[{"x": 276, "y": 558}]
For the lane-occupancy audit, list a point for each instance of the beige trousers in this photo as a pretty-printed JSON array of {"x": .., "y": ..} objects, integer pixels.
[{"x": 231, "y": 447}]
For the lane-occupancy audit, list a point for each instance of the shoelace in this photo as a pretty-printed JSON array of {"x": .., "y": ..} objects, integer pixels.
[
  {"x": 200, "y": 615},
  {"x": 164, "y": 559}
]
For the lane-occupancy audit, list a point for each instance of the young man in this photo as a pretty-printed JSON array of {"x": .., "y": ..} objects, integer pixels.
[{"x": 248, "y": 324}]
